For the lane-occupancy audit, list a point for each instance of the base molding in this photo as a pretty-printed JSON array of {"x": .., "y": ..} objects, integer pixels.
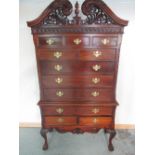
[{"x": 38, "y": 125}]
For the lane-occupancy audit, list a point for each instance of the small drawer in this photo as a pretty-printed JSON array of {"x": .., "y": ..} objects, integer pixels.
[
  {"x": 50, "y": 41},
  {"x": 105, "y": 41},
  {"x": 97, "y": 54},
  {"x": 103, "y": 121},
  {"x": 95, "y": 110},
  {"x": 56, "y": 55},
  {"x": 53, "y": 120},
  {"x": 58, "y": 110},
  {"x": 79, "y": 81},
  {"x": 78, "y": 41}
]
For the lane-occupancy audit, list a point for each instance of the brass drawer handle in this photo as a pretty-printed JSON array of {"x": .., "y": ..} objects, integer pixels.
[
  {"x": 59, "y": 80},
  {"x": 95, "y": 120},
  {"x": 58, "y": 67},
  {"x": 95, "y": 93},
  {"x": 97, "y": 53},
  {"x": 60, "y": 120},
  {"x": 59, "y": 93},
  {"x": 77, "y": 41},
  {"x": 105, "y": 41},
  {"x": 57, "y": 54},
  {"x": 95, "y": 80},
  {"x": 50, "y": 41},
  {"x": 59, "y": 110},
  {"x": 96, "y": 67},
  {"x": 95, "y": 110}
]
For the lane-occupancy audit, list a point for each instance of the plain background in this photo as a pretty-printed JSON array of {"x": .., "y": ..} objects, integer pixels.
[
  {"x": 144, "y": 85},
  {"x": 29, "y": 88}
]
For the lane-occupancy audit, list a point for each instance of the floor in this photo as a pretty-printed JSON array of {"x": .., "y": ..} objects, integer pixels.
[{"x": 72, "y": 144}]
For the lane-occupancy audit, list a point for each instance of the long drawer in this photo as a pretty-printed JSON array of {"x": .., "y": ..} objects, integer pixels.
[
  {"x": 78, "y": 94},
  {"x": 77, "y": 110},
  {"x": 71, "y": 54},
  {"x": 79, "y": 81},
  {"x": 76, "y": 67}
]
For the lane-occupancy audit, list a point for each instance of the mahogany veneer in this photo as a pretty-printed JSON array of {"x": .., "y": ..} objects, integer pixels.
[{"x": 77, "y": 62}]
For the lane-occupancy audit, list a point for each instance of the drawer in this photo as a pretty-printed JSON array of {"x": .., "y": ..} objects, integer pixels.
[
  {"x": 103, "y": 121},
  {"x": 79, "y": 81},
  {"x": 58, "y": 110},
  {"x": 78, "y": 95},
  {"x": 96, "y": 110},
  {"x": 50, "y": 41},
  {"x": 78, "y": 41},
  {"x": 56, "y": 55},
  {"x": 97, "y": 54},
  {"x": 104, "y": 41},
  {"x": 57, "y": 120},
  {"x": 76, "y": 67}
]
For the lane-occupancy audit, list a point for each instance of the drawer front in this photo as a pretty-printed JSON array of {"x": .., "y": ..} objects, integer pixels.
[
  {"x": 79, "y": 81},
  {"x": 104, "y": 41},
  {"x": 50, "y": 41},
  {"x": 97, "y": 54},
  {"x": 56, "y": 55},
  {"x": 78, "y": 94},
  {"x": 95, "y": 110},
  {"x": 58, "y": 110},
  {"x": 103, "y": 121},
  {"x": 78, "y": 41},
  {"x": 48, "y": 67},
  {"x": 56, "y": 120}
]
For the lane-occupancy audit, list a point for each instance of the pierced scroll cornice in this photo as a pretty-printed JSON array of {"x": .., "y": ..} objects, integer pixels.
[
  {"x": 98, "y": 12},
  {"x": 95, "y": 12}
]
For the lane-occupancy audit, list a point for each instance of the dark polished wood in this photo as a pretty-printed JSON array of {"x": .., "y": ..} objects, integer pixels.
[{"x": 77, "y": 61}]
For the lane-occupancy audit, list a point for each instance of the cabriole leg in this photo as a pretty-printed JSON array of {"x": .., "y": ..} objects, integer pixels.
[
  {"x": 43, "y": 133},
  {"x": 112, "y": 133}
]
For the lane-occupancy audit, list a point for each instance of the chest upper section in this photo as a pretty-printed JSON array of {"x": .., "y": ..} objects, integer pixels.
[{"x": 93, "y": 17}]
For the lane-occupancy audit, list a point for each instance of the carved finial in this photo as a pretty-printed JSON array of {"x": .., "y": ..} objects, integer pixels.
[
  {"x": 77, "y": 19},
  {"x": 77, "y": 10}
]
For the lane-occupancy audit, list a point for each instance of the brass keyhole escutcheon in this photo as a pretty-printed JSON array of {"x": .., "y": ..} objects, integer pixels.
[
  {"x": 58, "y": 67},
  {"x": 59, "y": 80},
  {"x": 97, "y": 53},
  {"x": 50, "y": 41},
  {"x": 95, "y": 80},
  {"x": 59, "y": 93},
  {"x": 60, "y": 120},
  {"x": 77, "y": 41},
  {"x": 105, "y": 41},
  {"x": 95, "y": 110},
  {"x": 57, "y": 54},
  {"x": 59, "y": 110},
  {"x": 95, "y": 93},
  {"x": 96, "y": 67}
]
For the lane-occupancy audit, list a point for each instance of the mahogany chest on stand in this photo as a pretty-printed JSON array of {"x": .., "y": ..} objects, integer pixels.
[{"x": 77, "y": 60}]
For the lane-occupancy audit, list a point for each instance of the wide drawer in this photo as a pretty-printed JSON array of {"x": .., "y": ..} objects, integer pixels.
[
  {"x": 79, "y": 81},
  {"x": 97, "y": 54},
  {"x": 78, "y": 94},
  {"x": 76, "y": 67},
  {"x": 78, "y": 110},
  {"x": 104, "y": 121},
  {"x": 56, "y": 120}
]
